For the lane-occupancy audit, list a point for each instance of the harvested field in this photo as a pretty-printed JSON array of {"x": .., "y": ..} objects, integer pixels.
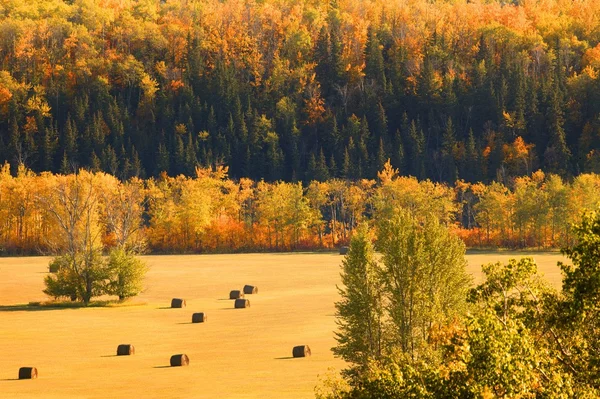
[{"x": 74, "y": 349}]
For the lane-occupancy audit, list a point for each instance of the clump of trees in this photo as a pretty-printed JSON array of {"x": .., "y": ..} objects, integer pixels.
[
  {"x": 82, "y": 272},
  {"x": 512, "y": 336}
]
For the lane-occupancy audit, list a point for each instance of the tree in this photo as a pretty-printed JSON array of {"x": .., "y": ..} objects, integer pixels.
[
  {"x": 360, "y": 311},
  {"x": 126, "y": 274},
  {"x": 425, "y": 278},
  {"x": 579, "y": 313},
  {"x": 73, "y": 203}
]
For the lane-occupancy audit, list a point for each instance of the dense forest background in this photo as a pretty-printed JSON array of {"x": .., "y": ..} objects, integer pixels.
[{"x": 301, "y": 90}]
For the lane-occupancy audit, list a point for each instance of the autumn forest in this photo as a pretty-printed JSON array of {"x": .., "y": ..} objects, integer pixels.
[
  {"x": 268, "y": 125},
  {"x": 301, "y": 90}
]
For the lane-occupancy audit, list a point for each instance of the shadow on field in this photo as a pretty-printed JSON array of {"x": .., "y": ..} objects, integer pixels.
[
  {"x": 284, "y": 358},
  {"x": 33, "y": 308},
  {"x": 10, "y": 379},
  {"x": 162, "y": 367},
  {"x": 108, "y": 356},
  {"x": 166, "y": 307},
  {"x": 187, "y": 323}
]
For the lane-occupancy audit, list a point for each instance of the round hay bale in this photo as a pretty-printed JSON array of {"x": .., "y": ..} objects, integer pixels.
[
  {"x": 242, "y": 303},
  {"x": 180, "y": 360},
  {"x": 177, "y": 303},
  {"x": 199, "y": 317},
  {"x": 344, "y": 250},
  {"x": 301, "y": 351},
  {"x": 27, "y": 373},
  {"x": 125, "y": 350},
  {"x": 250, "y": 289},
  {"x": 53, "y": 268},
  {"x": 236, "y": 294}
]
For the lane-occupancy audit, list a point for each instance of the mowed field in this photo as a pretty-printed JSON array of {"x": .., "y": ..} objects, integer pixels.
[{"x": 237, "y": 353}]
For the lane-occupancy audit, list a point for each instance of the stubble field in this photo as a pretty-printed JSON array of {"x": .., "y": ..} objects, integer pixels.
[{"x": 237, "y": 353}]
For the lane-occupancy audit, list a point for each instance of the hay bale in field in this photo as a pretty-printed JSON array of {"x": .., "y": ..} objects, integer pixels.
[
  {"x": 236, "y": 294},
  {"x": 180, "y": 360},
  {"x": 301, "y": 351},
  {"x": 344, "y": 250},
  {"x": 199, "y": 317},
  {"x": 53, "y": 268},
  {"x": 125, "y": 350},
  {"x": 177, "y": 303},
  {"x": 242, "y": 303},
  {"x": 27, "y": 373},
  {"x": 250, "y": 289}
]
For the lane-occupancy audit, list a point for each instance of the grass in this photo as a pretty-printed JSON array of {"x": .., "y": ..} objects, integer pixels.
[{"x": 241, "y": 353}]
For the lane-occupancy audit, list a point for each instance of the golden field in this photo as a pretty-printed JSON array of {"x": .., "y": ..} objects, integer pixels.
[{"x": 237, "y": 353}]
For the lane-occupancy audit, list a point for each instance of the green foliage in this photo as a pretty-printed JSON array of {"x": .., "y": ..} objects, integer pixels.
[
  {"x": 424, "y": 272},
  {"x": 505, "y": 347},
  {"x": 578, "y": 316},
  {"x": 360, "y": 311},
  {"x": 81, "y": 278},
  {"x": 126, "y": 274}
]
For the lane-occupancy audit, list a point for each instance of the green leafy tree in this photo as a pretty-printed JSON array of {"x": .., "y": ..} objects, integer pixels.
[
  {"x": 424, "y": 268},
  {"x": 126, "y": 274},
  {"x": 360, "y": 311}
]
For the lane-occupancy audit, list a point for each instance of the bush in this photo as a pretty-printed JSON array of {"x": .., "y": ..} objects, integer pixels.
[
  {"x": 126, "y": 274},
  {"x": 84, "y": 277}
]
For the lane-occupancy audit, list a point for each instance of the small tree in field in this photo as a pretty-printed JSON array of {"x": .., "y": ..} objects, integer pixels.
[
  {"x": 75, "y": 203},
  {"x": 125, "y": 274},
  {"x": 359, "y": 312}
]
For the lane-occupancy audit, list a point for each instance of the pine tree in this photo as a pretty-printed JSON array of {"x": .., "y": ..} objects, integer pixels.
[
  {"x": 95, "y": 164},
  {"x": 322, "y": 172},
  {"x": 557, "y": 154},
  {"x": 381, "y": 158},
  {"x": 311, "y": 168},
  {"x": 472, "y": 172},
  {"x": 136, "y": 164},
  {"x": 48, "y": 148},
  {"x": 110, "y": 162},
  {"x": 374, "y": 68},
  {"x": 347, "y": 164},
  {"x": 416, "y": 140},
  {"x": 398, "y": 156},
  {"x": 162, "y": 159},
  {"x": 333, "y": 172},
  {"x": 69, "y": 140},
  {"x": 448, "y": 145}
]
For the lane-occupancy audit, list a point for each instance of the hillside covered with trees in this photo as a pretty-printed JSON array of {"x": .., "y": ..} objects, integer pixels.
[{"x": 301, "y": 89}]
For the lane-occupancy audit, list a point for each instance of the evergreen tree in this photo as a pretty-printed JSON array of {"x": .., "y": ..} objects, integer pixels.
[
  {"x": 374, "y": 64},
  {"x": 163, "y": 159},
  {"x": 322, "y": 172},
  {"x": 110, "y": 162},
  {"x": 311, "y": 168},
  {"x": 472, "y": 172},
  {"x": 448, "y": 144},
  {"x": 557, "y": 154}
]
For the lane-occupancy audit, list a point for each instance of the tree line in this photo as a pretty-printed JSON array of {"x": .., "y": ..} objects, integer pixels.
[
  {"x": 301, "y": 90},
  {"x": 214, "y": 213}
]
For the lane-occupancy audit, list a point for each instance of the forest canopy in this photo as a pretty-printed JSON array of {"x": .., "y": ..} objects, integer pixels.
[{"x": 301, "y": 89}]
